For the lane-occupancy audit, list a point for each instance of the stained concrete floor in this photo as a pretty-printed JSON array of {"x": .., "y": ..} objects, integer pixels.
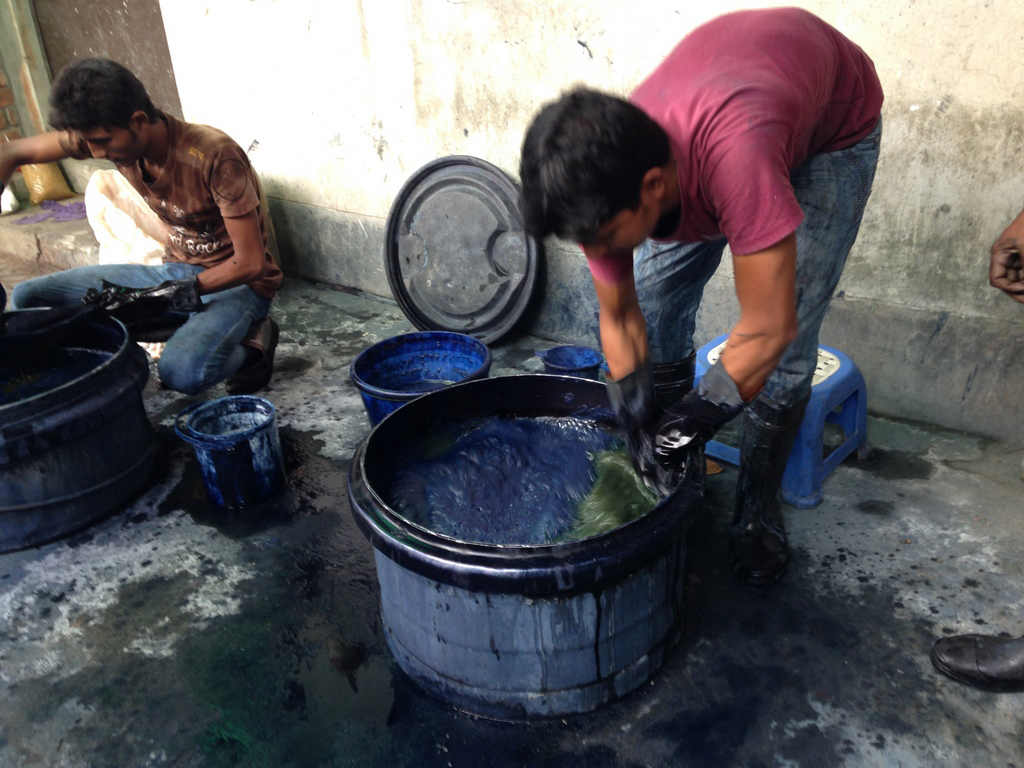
[{"x": 177, "y": 634}]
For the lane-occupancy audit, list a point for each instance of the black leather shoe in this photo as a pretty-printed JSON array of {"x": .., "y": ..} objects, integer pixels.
[
  {"x": 984, "y": 661},
  {"x": 760, "y": 551},
  {"x": 256, "y": 375}
]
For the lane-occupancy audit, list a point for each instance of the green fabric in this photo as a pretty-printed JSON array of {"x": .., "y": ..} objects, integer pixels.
[{"x": 618, "y": 496}]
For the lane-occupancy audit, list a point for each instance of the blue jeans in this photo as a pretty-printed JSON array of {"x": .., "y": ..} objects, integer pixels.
[
  {"x": 203, "y": 351},
  {"x": 832, "y": 188}
]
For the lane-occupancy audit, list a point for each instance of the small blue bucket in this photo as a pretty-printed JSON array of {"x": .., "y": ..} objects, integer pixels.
[
  {"x": 394, "y": 371},
  {"x": 570, "y": 360},
  {"x": 236, "y": 442}
]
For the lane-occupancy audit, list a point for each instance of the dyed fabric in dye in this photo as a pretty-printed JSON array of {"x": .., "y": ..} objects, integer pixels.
[
  {"x": 515, "y": 481},
  {"x": 618, "y": 496}
]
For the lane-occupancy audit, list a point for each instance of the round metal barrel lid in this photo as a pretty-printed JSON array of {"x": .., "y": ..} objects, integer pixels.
[{"x": 456, "y": 254}]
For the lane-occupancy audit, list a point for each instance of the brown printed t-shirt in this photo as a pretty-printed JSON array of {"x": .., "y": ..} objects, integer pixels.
[{"x": 207, "y": 178}]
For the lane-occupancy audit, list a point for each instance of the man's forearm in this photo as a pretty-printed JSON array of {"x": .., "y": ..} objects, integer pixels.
[
  {"x": 766, "y": 289},
  {"x": 7, "y": 164},
  {"x": 228, "y": 274},
  {"x": 750, "y": 359},
  {"x": 624, "y": 342},
  {"x": 622, "y": 325},
  {"x": 1013, "y": 235},
  {"x": 44, "y": 148},
  {"x": 248, "y": 262}
]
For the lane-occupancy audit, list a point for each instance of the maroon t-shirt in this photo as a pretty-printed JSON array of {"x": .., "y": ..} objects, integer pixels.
[
  {"x": 207, "y": 178},
  {"x": 744, "y": 99}
]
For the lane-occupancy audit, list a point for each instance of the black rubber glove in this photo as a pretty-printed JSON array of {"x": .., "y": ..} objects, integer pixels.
[
  {"x": 130, "y": 305},
  {"x": 632, "y": 400},
  {"x": 697, "y": 416}
]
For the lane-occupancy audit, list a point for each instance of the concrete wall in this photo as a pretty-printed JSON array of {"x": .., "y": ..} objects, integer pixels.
[
  {"x": 24, "y": 64},
  {"x": 340, "y": 101},
  {"x": 10, "y": 120},
  {"x": 132, "y": 33}
]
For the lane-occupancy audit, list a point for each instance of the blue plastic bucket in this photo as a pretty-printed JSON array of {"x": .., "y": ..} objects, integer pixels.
[
  {"x": 236, "y": 443},
  {"x": 570, "y": 360},
  {"x": 394, "y": 371}
]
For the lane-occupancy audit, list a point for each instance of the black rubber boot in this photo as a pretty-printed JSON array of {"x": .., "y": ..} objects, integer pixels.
[
  {"x": 673, "y": 380},
  {"x": 759, "y": 547}
]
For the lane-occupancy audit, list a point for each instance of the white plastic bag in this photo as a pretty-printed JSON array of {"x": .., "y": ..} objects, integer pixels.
[
  {"x": 8, "y": 202},
  {"x": 128, "y": 230}
]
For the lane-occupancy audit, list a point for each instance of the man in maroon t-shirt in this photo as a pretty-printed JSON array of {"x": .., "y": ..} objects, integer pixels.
[
  {"x": 218, "y": 277},
  {"x": 760, "y": 130}
]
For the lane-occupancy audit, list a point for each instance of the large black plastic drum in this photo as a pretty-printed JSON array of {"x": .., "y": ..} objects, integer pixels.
[
  {"x": 75, "y": 441},
  {"x": 521, "y": 631}
]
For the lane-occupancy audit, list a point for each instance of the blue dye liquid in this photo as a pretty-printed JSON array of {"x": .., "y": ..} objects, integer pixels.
[
  {"x": 57, "y": 369},
  {"x": 500, "y": 480}
]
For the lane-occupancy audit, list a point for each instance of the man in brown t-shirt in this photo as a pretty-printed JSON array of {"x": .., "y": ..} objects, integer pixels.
[{"x": 218, "y": 275}]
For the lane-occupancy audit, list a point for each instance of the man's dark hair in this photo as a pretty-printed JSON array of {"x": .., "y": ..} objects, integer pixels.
[
  {"x": 97, "y": 93},
  {"x": 584, "y": 158}
]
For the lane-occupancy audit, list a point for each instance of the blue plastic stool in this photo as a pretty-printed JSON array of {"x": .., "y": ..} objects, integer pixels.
[{"x": 838, "y": 396}]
